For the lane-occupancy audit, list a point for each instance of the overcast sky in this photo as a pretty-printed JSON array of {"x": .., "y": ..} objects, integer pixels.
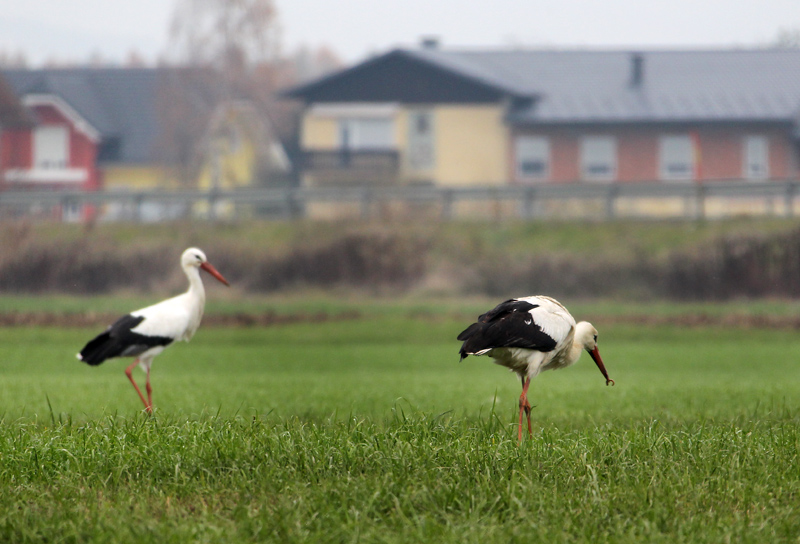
[{"x": 73, "y": 30}]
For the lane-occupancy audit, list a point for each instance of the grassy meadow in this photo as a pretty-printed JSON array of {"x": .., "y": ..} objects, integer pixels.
[{"x": 355, "y": 422}]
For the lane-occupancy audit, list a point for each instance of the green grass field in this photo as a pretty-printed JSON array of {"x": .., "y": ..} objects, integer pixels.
[{"x": 368, "y": 429}]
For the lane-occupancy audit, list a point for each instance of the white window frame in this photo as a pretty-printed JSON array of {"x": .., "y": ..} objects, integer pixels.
[
  {"x": 755, "y": 157},
  {"x": 675, "y": 151},
  {"x": 357, "y": 123},
  {"x": 51, "y": 147},
  {"x": 533, "y": 150},
  {"x": 366, "y": 133},
  {"x": 598, "y": 156}
]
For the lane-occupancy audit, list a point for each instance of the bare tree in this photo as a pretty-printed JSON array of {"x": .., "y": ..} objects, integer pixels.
[
  {"x": 233, "y": 48},
  {"x": 228, "y": 50},
  {"x": 311, "y": 63},
  {"x": 788, "y": 38},
  {"x": 231, "y": 37},
  {"x": 185, "y": 101},
  {"x": 13, "y": 59}
]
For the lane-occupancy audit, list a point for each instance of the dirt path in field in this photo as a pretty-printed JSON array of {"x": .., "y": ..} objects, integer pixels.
[{"x": 267, "y": 319}]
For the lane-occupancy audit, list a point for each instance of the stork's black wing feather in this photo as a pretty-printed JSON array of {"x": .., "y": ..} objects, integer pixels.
[
  {"x": 507, "y": 325},
  {"x": 120, "y": 341}
]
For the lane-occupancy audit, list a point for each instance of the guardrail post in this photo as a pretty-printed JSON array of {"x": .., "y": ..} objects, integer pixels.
[
  {"x": 700, "y": 202},
  {"x": 611, "y": 201},
  {"x": 497, "y": 204},
  {"x": 528, "y": 201},
  {"x": 366, "y": 203},
  {"x": 447, "y": 203},
  {"x": 212, "y": 197},
  {"x": 138, "y": 205},
  {"x": 63, "y": 207},
  {"x": 788, "y": 199},
  {"x": 293, "y": 207}
]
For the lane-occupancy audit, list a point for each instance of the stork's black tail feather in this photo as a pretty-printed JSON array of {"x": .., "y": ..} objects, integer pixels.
[
  {"x": 102, "y": 347},
  {"x": 508, "y": 325},
  {"x": 465, "y": 336},
  {"x": 120, "y": 341},
  {"x": 114, "y": 342}
]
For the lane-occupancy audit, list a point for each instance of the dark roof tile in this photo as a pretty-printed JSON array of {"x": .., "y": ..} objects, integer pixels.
[
  {"x": 123, "y": 104},
  {"x": 578, "y": 86},
  {"x": 587, "y": 85}
]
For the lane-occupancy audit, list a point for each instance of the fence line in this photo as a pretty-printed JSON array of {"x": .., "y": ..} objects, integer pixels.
[{"x": 568, "y": 200}]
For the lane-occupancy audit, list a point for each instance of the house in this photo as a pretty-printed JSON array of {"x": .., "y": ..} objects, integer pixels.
[
  {"x": 240, "y": 148},
  {"x": 123, "y": 129},
  {"x": 492, "y": 117},
  {"x": 14, "y": 120},
  {"x": 55, "y": 148}
]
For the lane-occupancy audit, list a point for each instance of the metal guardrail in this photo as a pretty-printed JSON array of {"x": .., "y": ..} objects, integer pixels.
[{"x": 585, "y": 200}]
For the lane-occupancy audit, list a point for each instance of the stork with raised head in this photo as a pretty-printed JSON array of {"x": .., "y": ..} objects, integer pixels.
[
  {"x": 530, "y": 335},
  {"x": 147, "y": 332}
]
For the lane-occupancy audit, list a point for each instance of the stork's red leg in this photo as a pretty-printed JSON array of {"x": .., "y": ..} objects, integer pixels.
[
  {"x": 149, "y": 389},
  {"x": 129, "y": 374},
  {"x": 525, "y": 406},
  {"x": 521, "y": 404}
]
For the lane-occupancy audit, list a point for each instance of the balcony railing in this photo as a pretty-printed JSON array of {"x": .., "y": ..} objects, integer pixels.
[
  {"x": 351, "y": 168},
  {"x": 384, "y": 160}
]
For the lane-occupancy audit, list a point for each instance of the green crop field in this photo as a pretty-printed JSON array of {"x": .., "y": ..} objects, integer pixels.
[{"x": 368, "y": 429}]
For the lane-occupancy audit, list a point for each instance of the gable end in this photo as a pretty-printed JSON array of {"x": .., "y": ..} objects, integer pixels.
[{"x": 398, "y": 77}]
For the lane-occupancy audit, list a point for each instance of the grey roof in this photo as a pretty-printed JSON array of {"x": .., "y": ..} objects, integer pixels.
[
  {"x": 12, "y": 112},
  {"x": 576, "y": 86},
  {"x": 121, "y": 103}
]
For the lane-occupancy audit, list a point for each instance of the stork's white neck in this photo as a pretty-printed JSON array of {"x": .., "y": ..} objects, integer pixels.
[
  {"x": 574, "y": 353},
  {"x": 196, "y": 289},
  {"x": 195, "y": 300}
]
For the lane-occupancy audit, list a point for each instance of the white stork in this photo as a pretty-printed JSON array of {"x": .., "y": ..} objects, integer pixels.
[
  {"x": 530, "y": 335},
  {"x": 147, "y": 332}
]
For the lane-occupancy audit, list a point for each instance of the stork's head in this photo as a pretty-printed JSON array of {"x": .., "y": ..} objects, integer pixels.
[
  {"x": 586, "y": 337},
  {"x": 195, "y": 258}
]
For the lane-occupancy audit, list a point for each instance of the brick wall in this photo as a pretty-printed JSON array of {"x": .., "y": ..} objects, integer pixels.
[{"x": 721, "y": 153}]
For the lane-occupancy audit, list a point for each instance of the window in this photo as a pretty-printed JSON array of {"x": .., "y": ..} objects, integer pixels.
[
  {"x": 598, "y": 158},
  {"x": 51, "y": 147},
  {"x": 421, "y": 146},
  {"x": 361, "y": 133},
  {"x": 756, "y": 157},
  {"x": 532, "y": 158},
  {"x": 676, "y": 157}
]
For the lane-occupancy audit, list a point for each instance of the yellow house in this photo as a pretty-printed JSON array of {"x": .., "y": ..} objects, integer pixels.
[
  {"x": 395, "y": 143},
  {"x": 398, "y": 119},
  {"x": 239, "y": 150}
]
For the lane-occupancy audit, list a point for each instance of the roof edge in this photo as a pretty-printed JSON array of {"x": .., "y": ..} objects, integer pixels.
[
  {"x": 299, "y": 91},
  {"x": 80, "y": 123}
]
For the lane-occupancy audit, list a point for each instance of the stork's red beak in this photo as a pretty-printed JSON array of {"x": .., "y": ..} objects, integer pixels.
[
  {"x": 595, "y": 353},
  {"x": 213, "y": 271}
]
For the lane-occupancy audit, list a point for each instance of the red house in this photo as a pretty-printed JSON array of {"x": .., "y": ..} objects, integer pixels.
[
  {"x": 57, "y": 150},
  {"x": 14, "y": 121}
]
